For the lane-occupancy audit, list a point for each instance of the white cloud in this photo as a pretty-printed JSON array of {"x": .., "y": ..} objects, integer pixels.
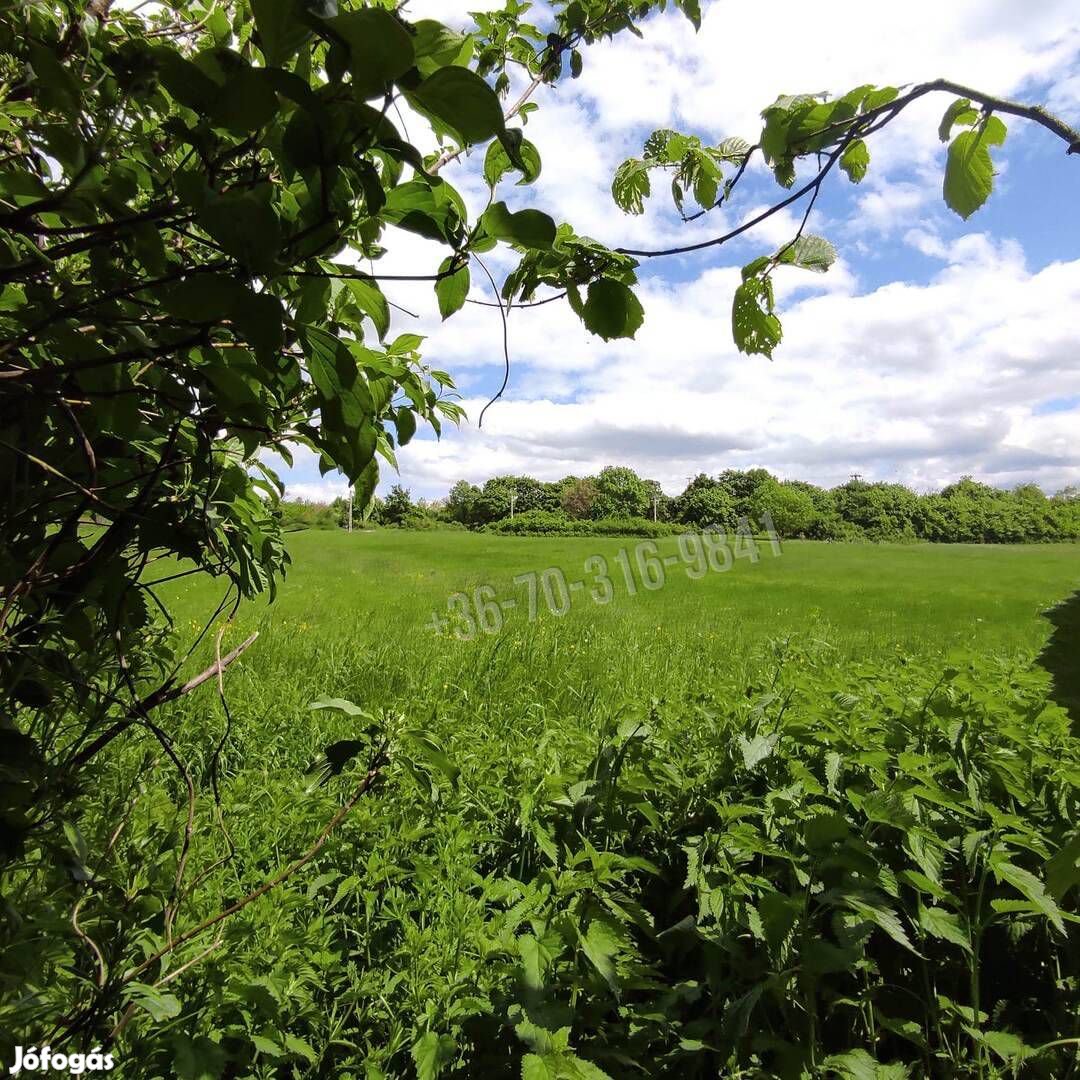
[
  {"x": 920, "y": 383},
  {"x": 913, "y": 381}
]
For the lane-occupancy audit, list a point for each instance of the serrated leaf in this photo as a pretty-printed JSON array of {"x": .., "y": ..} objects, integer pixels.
[
  {"x": 601, "y": 943},
  {"x": 939, "y": 923},
  {"x": 1031, "y": 887},
  {"x": 755, "y": 327},
  {"x": 431, "y": 1053},
  {"x": 853, "y": 1065},
  {"x": 757, "y": 749},
  {"x": 631, "y": 186},
  {"x": 878, "y": 912},
  {"x": 969, "y": 170},
  {"x": 959, "y": 112},
  {"x": 813, "y": 253},
  {"x": 855, "y": 160},
  {"x": 161, "y": 1006},
  {"x": 295, "y": 1045},
  {"x": 537, "y": 1067}
]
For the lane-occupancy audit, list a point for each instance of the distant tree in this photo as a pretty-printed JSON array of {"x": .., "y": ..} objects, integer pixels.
[
  {"x": 523, "y": 492},
  {"x": 620, "y": 492},
  {"x": 882, "y": 511},
  {"x": 790, "y": 507},
  {"x": 396, "y": 506},
  {"x": 705, "y": 502},
  {"x": 461, "y": 502},
  {"x": 578, "y": 497},
  {"x": 742, "y": 486}
]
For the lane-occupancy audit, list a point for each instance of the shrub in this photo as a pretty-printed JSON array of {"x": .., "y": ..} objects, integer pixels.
[
  {"x": 556, "y": 523},
  {"x": 297, "y": 514}
]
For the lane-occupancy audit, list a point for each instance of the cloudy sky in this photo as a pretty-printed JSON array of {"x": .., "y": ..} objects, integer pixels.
[{"x": 934, "y": 347}]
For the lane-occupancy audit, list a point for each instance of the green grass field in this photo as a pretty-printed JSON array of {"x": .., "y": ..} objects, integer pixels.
[
  {"x": 527, "y": 770},
  {"x": 353, "y": 617}
]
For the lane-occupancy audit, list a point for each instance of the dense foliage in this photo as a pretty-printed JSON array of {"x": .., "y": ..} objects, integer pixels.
[
  {"x": 797, "y": 874},
  {"x": 966, "y": 512},
  {"x": 189, "y": 196}
]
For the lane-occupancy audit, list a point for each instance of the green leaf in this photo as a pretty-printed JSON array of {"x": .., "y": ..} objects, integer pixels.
[
  {"x": 1031, "y": 887},
  {"x": 939, "y": 923},
  {"x": 809, "y": 253},
  {"x": 853, "y": 1065},
  {"x": 430, "y": 1053},
  {"x": 341, "y": 705},
  {"x": 245, "y": 225},
  {"x": 213, "y": 298},
  {"x": 757, "y": 749},
  {"x": 497, "y": 162},
  {"x": 431, "y": 750},
  {"x": 1005, "y": 1044},
  {"x": 611, "y": 310},
  {"x": 692, "y": 10},
  {"x": 405, "y": 422},
  {"x": 453, "y": 290},
  {"x": 370, "y": 300},
  {"x": 159, "y": 1005},
  {"x": 631, "y": 186},
  {"x": 875, "y": 909},
  {"x": 855, "y": 160},
  {"x": 959, "y": 112},
  {"x": 436, "y": 45},
  {"x": 969, "y": 170},
  {"x": 280, "y": 31},
  {"x": 535, "y": 1067},
  {"x": 197, "y": 1058},
  {"x": 364, "y": 493},
  {"x": 462, "y": 101},
  {"x": 380, "y": 48},
  {"x": 1063, "y": 870},
  {"x": 246, "y": 101},
  {"x": 601, "y": 943},
  {"x": 295, "y": 1045},
  {"x": 528, "y": 228},
  {"x": 754, "y": 326},
  {"x": 265, "y": 1045}
]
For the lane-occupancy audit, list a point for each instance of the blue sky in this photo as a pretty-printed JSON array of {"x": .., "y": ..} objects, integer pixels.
[{"x": 934, "y": 348}]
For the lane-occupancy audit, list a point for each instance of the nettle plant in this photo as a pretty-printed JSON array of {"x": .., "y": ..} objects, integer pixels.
[{"x": 194, "y": 201}]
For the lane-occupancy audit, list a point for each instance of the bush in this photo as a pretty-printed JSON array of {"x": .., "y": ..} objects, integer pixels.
[
  {"x": 297, "y": 514},
  {"x": 557, "y": 523}
]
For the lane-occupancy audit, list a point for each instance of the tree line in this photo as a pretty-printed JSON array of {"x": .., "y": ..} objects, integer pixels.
[{"x": 966, "y": 511}]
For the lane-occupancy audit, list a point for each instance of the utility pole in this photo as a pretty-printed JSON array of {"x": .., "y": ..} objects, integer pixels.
[
  {"x": 655, "y": 499},
  {"x": 350, "y": 508},
  {"x": 513, "y": 498}
]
